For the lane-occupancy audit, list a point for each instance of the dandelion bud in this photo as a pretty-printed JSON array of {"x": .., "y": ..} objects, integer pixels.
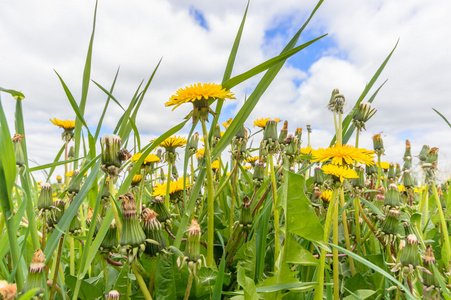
[
  {"x": 132, "y": 235},
  {"x": 378, "y": 144},
  {"x": 359, "y": 182},
  {"x": 364, "y": 112},
  {"x": 392, "y": 196},
  {"x": 331, "y": 105},
  {"x": 74, "y": 184},
  {"x": 410, "y": 255},
  {"x": 423, "y": 153},
  {"x": 270, "y": 141},
  {"x": 391, "y": 172},
  {"x": 110, "y": 240},
  {"x": 259, "y": 174},
  {"x": 59, "y": 179},
  {"x": 246, "y": 214},
  {"x": 36, "y": 272},
  {"x": 216, "y": 135},
  {"x": 45, "y": 200},
  {"x": 113, "y": 295},
  {"x": 407, "y": 153},
  {"x": 161, "y": 210},
  {"x": 193, "y": 143},
  {"x": 298, "y": 134},
  {"x": 326, "y": 197},
  {"x": 89, "y": 216},
  {"x": 18, "y": 151},
  {"x": 371, "y": 169},
  {"x": 432, "y": 155},
  {"x": 160, "y": 153},
  {"x": 398, "y": 171},
  {"x": 429, "y": 279},
  {"x": 200, "y": 155},
  {"x": 57, "y": 212},
  {"x": 71, "y": 153},
  {"x": 110, "y": 145},
  {"x": 175, "y": 173},
  {"x": 291, "y": 149},
  {"x": 283, "y": 133},
  {"x": 75, "y": 226},
  {"x": 162, "y": 176},
  {"x": 390, "y": 225},
  {"x": 192, "y": 249},
  {"x": 153, "y": 230},
  {"x": 136, "y": 180},
  {"x": 315, "y": 195},
  {"x": 318, "y": 176},
  {"x": 408, "y": 180}
]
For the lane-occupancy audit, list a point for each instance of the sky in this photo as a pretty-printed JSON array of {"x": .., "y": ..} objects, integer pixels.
[{"x": 193, "y": 39}]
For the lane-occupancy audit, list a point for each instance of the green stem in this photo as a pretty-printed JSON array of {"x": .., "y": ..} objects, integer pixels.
[
  {"x": 319, "y": 291},
  {"x": 210, "y": 199},
  {"x": 340, "y": 128},
  {"x": 141, "y": 283},
  {"x": 153, "y": 269},
  {"x": 188, "y": 287},
  {"x": 168, "y": 185},
  {"x": 58, "y": 259},
  {"x": 276, "y": 211},
  {"x": 336, "y": 270},
  {"x": 357, "y": 138},
  {"x": 14, "y": 249},
  {"x": 345, "y": 230},
  {"x": 378, "y": 181},
  {"x": 105, "y": 274},
  {"x": 72, "y": 255},
  {"x": 443, "y": 223},
  {"x": 357, "y": 222},
  {"x": 113, "y": 205}
]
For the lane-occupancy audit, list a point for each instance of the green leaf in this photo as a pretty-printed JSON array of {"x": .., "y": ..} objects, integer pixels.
[
  {"x": 360, "y": 295},
  {"x": 121, "y": 281},
  {"x": 298, "y": 255},
  {"x": 301, "y": 217},
  {"x": 443, "y": 117},
  {"x": 17, "y": 95},
  {"x": 250, "y": 292},
  {"x": 87, "y": 290},
  {"x": 247, "y": 256},
  {"x": 165, "y": 279}
]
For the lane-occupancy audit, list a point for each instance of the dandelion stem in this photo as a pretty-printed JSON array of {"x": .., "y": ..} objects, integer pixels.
[
  {"x": 168, "y": 185},
  {"x": 346, "y": 230},
  {"x": 58, "y": 259},
  {"x": 443, "y": 223},
  {"x": 276, "y": 211},
  {"x": 210, "y": 198},
  {"x": 141, "y": 283},
  {"x": 188, "y": 287},
  {"x": 113, "y": 205},
  {"x": 335, "y": 250}
]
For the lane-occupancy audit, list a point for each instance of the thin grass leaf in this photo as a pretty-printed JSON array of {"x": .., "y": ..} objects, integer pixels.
[
  {"x": 443, "y": 117},
  {"x": 54, "y": 164},
  {"x": 220, "y": 277}
]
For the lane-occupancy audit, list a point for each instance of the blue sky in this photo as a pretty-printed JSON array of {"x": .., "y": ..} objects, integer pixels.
[{"x": 194, "y": 38}]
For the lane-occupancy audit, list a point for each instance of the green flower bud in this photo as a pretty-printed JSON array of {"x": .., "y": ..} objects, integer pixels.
[
  {"x": 216, "y": 135},
  {"x": 407, "y": 152},
  {"x": 364, "y": 112},
  {"x": 74, "y": 184},
  {"x": 259, "y": 174},
  {"x": 318, "y": 176},
  {"x": 359, "y": 183},
  {"x": 283, "y": 133},
  {"x": 161, "y": 210},
  {"x": 408, "y": 180},
  {"x": 378, "y": 144},
  {"x": 110, "y": 240},
  {"x": 57, "y": 212},
  {"x": 110, "y": 145},
  {"x": 45, "y": 200},
  {"x": 192, "y": 249},
  {"x": 429, "y": 279},
  {"x": 36, "y": 274},
  {"x": 153, "y": 230},
  {"x": 71, "y": 153},
  {"x": 371, "y": 169},
  {"x": 75, "y": 226},
  {"x": 270, "y": 133},
  {"x": 410, "y": 254},
  {"x": 292, "y": 148},
  {"x": 246, "y": 214},
  {"x": 193, "y": 143},
  {"x": 432, "y": 155},
  {"x": 89, "y": 216},
  {"x": 18, "y": 151},
  {"x": 132, "y": 234},
  {"x": 298, "y": 134},
  {"x": 423, "y": 153},
  {"x": 392, "y": 196},
  {"x": 390, "y": 224}
]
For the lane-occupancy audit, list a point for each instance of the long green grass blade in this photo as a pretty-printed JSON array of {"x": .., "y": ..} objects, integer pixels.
[{"x": 443, "y": 117}]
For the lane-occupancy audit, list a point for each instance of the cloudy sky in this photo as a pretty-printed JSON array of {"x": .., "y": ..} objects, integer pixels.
[{"x": 194, "y": 37}]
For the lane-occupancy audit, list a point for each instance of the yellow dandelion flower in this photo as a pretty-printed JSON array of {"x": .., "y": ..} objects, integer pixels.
[
  {"x": 385, "y": 165},
  {"x": 227, "y": 123},
  {"x": 197, "y": 92},
  {"x": 137, "y": 179},
  {"x": 173, "y": 142},
  {"x": 306, "y": 150},
  {"x": 70, "y": 173},
  {"x": 151, "y": 158},
  {"x": 215, "y": 165},
  {"x": 340, "y": 172},
  {"x": 326, "y": 195},
  {"x": 174, "y": 187},
  {"x": 252, "y": 160},
  {"x": 343, "y": 155},
  {"x": 200, "y": 153},
  {"x": 262, "y": 122},
  {"x": 66, "y": 124}
]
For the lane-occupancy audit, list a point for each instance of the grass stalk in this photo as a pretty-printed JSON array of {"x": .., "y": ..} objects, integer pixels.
[
  {"x": 336, "y": 271},
  {"x": 276, "y": 211},
  {"x": 443, "y": 224},
  {"x": 141, "y": 283},
  {"x": 345, "y": 230},
  {"x": 168, "y": 185}
]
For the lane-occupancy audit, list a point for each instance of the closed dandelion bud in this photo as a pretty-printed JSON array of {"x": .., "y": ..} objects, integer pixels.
[
  {"x": 392, "y": 196},
  {"x": 263, "y": 151},
  {"x": 408, "y": 180},
  {"x": 192, "y": 249},
  {"x": 175, "y": 173},
  {"x": 259, "y": 174},
  {"x": 160, "y": 153},
  {"x": 391, "y": 172},
  {"x": 398, "y": 172},
  {"x": 331, "y": 106},
  {"x": 432, "y": 155},
  {"x": 89, "y": 216},
  {"x": 441, "y": 197},
  {"x": 132, "y": 234},
  {"x": 162, "y": 176},
  {"x": 106, "y": 192},
  {"x": 113, "y": 295},
  {"x": 407, "y": 165},
  {"x": 371, "y": 169},
  {"x": 298, "y": 134},
  {"x": 283, "y": 133},
  {"x": 316, "y": 193},
  {"x": 270, "y": 132},
  {"x": 153, "y": 230},
  {"x": 59, "y": 207},
  {"x": 292, "y": 149},
  {"x": 193, "y": 143},
  {"x": 246, "y": 214},
  {"x": 75, "y": 226},
  {"x": 59, "y": 179},
  {"x": 161, "y": 210},
  {"x": 36, "y": 273},
  {"x": 410, "y": 255},
  {"x": 136, "y": 180},
  {"x": 364, "y": 112},
  {"x": 359, "y": 182},
  {"x": 110, "y": 240},
  {"x": 390, "y": 224},
  {"x": 45, "y": 200},
  {"x": 18, "y": 151},
  {"x": 326, "y": 197},
  {"x": 111, "y": 145},
  {"x": 318, "y": 176},
  {"x": 7, "y": 291},
  {"x": 423, "y": 153},
  {"x": 429, "y": 279},
  {"x": 216, "y": 135},
  {"x": 378, "y": 144},
  {"x": 407, "y": 152},
  {"x": 71, "y": 153}
]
